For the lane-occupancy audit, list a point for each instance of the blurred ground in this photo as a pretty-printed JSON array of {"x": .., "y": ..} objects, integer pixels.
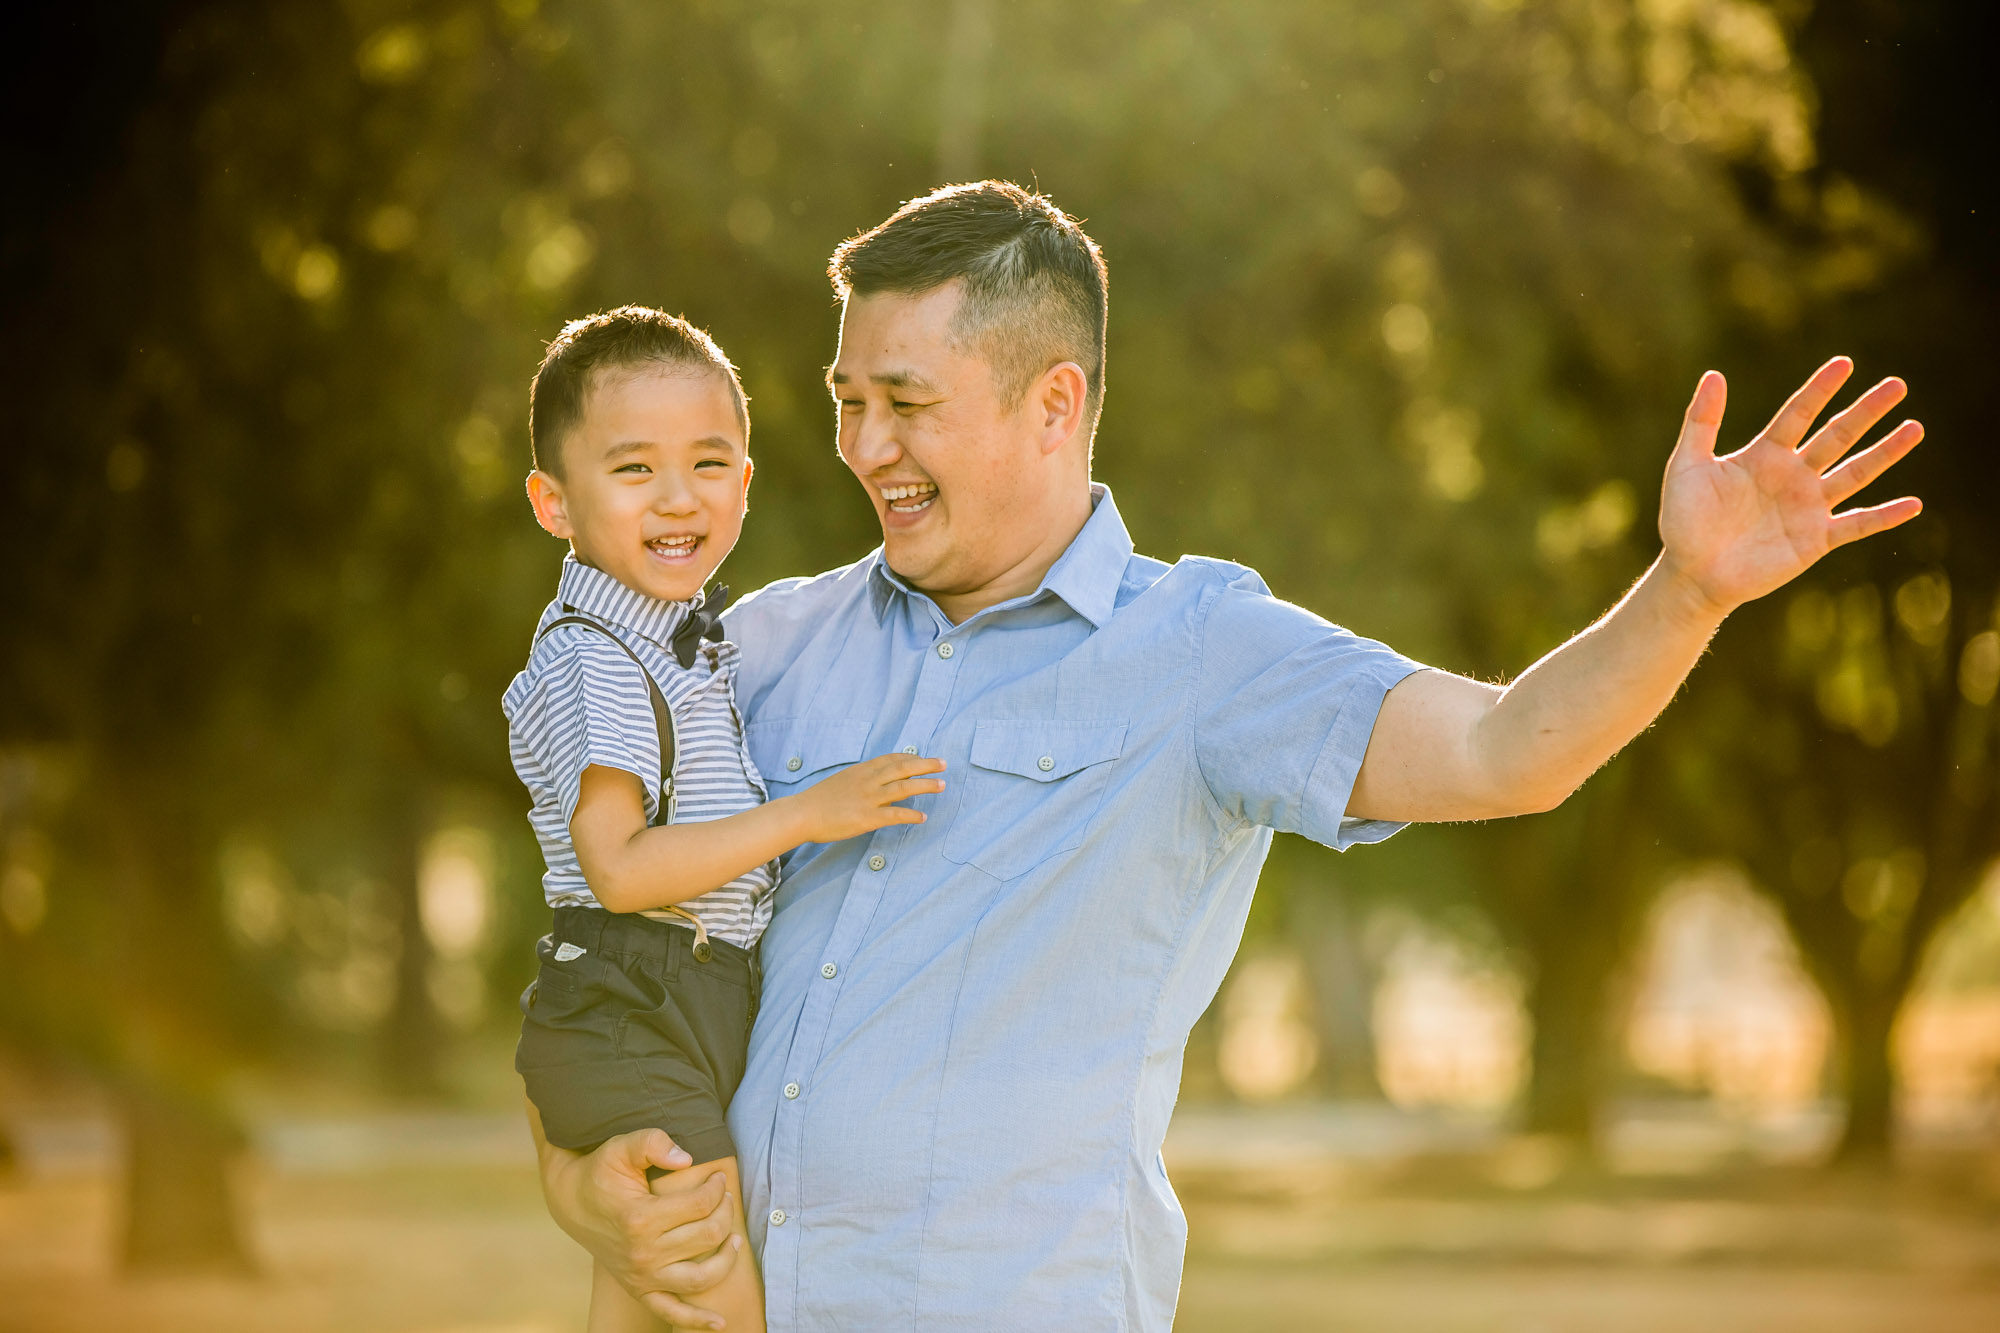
[{"x": 1313, "y": 1218}]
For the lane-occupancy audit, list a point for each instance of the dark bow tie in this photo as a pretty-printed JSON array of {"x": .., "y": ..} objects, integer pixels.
[{"x": 703, "y": 622}]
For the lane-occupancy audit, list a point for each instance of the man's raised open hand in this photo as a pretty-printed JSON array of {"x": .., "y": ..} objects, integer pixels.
[
  {"x": 1734, "y": 528},
  {"x": 1741, "y": 525}
]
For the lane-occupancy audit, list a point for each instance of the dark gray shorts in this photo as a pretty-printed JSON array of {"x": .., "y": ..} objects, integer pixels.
[{"x": 634, "y": 1033}]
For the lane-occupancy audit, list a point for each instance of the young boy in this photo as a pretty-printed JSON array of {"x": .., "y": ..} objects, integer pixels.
[{"x": 661, "y": 846}]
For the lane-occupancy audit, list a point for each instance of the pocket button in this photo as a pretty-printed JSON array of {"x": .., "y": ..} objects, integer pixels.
[{"x": 1046, "y": 762}]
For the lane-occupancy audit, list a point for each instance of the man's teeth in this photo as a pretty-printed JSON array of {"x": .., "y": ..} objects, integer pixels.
[{"x": 922, "y": 492}]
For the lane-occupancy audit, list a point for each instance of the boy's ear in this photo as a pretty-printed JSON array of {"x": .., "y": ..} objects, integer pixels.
[
  {"x": 545, "y": 494},
  {"x": 748, "y": 468}
]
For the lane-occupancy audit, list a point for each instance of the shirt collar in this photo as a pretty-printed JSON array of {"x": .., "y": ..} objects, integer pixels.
[
  {"x": 1086, "y": 575},
  {"x": 595, "y": 593}
]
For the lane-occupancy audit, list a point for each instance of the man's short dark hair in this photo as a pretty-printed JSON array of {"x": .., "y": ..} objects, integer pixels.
[
  {"x": 1035, "y": 283},
  {"x": 632, "y": 337}
]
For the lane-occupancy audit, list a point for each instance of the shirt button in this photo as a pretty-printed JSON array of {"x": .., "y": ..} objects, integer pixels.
[
  {"x": 877, "y": 862},
  {"x": 909, "y": 749},
  {"x": 791, "y": 1090},
  {"x": 792, "y": 764},
  {"x": 1046, "y": 762},
  {"x": 828, "y": 970},
  {"x": 944, "y": 650},
  {"x": 777, "y": 1217}
]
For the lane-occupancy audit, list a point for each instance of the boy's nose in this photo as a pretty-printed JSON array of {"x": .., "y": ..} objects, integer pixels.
[{"x": 675, "y": 497}]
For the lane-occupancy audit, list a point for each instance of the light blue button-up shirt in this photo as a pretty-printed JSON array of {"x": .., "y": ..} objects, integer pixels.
[{"x": 971, "y": 1033}]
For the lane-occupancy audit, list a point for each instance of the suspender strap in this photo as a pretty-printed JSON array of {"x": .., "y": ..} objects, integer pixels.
[{"x": 663, "y": 716}]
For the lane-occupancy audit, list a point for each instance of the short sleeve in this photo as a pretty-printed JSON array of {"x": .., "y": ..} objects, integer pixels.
[
  {"x": 1284, "y": 705},
  {"x": 589, "y": 704}
]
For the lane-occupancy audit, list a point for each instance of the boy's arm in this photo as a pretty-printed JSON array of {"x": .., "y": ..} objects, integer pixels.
[{"x": 633, "y": 868}]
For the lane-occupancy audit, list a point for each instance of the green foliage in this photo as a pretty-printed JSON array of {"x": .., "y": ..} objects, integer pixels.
[{"x": 1406, "y": 304}]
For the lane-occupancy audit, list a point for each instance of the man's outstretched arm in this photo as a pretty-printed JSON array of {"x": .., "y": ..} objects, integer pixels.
[{"x": 1733, "y": 529}]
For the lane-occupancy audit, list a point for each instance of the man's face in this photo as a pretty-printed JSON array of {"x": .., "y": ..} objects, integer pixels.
[
  {"x": 963, "y": 490},
  {"x": 654, "y": 479}
]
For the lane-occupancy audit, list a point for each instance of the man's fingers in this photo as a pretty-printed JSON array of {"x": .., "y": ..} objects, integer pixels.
[
  {"x": 656, "y": 1148},
  {"x": 1704, "y": 417},
  {"x": 1834, "y": 439},
  {"x": 678, "y": 1313},
  {"x": 1855, "y": 524},
  {"x": 693, "y": 1276},
  {"x": 622, "y": 1159},
  {"x": 1796, "y": 417},
  {"x": 690, "y": 1222},
  {"x": 1847, "y": 480}
]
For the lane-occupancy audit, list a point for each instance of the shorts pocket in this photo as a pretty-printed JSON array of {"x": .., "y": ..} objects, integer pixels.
[
  {"x": 1032, "y": 792},
  {"x": 568, "y": 1014}
]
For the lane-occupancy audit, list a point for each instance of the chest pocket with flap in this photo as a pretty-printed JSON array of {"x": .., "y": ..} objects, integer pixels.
[
  {"x": 1032, "y": 792},
  {"x": 793, "y": 751}
]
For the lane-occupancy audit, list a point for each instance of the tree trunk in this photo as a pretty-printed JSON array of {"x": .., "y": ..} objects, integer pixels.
[
  {"x": 1868, "y": 1082},
  {"x": 171, "y": 1004},
  {"x": 179, "y": 1210},
  {"x": 412, "y": 1035},
  {"x": 1343, "y": 991},
  {"x": 1566, "y": 1008}
]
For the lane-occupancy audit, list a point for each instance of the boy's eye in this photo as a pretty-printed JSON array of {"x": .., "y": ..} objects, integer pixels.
[
  {"x": 633, "y": 467},
  {"x": 711, "y": 462}
]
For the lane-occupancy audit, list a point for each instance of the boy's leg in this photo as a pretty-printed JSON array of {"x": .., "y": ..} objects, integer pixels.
[{"x": 739, "y": 1297}]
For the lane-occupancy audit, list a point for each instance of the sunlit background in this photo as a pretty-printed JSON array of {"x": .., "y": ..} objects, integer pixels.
[{"x": 1407, "y": 300}]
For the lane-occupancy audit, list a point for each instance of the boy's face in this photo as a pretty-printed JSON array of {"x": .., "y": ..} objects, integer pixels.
[{"x": 655, "y": 477}]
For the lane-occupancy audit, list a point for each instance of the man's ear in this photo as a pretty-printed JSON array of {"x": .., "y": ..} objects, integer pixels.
[
  {"x": 1058, "y": 398},
  {"x": 545, "y": 494}
]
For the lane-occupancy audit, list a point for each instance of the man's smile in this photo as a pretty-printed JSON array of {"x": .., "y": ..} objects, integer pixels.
[{"x": 910, "y": 498}]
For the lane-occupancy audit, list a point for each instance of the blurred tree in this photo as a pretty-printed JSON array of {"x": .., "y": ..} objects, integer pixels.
[
  {"x": 1848, "y": 742},
  {"x": 1407, "y": 303}
]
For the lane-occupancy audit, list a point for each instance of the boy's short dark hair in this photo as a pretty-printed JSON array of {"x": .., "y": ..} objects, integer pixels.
[
  {"x": 632, "y": 337},
  {"x": 1035, "y": 283}
]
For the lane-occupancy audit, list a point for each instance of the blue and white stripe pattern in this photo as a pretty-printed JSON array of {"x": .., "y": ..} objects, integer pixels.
[{"x": 580, "y": 701}]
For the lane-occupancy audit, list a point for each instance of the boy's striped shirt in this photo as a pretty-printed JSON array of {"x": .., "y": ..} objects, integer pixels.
[{"x": 581, "y": 701}]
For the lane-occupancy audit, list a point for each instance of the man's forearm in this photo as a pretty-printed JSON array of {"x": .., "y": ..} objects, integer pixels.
[{"x": 1570, "y": 712}]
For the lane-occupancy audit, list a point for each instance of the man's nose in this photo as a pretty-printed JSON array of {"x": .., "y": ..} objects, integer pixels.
[{"x": 872, "y": 442}]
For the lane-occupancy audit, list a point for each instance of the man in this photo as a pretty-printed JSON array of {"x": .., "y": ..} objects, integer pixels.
[{"x": 972, "y": 1029}]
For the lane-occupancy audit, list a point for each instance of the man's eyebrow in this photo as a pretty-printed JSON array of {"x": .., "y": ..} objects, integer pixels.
[{"x": 894, "y": 379}]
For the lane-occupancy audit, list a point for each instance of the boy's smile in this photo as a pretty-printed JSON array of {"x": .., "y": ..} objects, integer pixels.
[{"x": 655, "y": 476}]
